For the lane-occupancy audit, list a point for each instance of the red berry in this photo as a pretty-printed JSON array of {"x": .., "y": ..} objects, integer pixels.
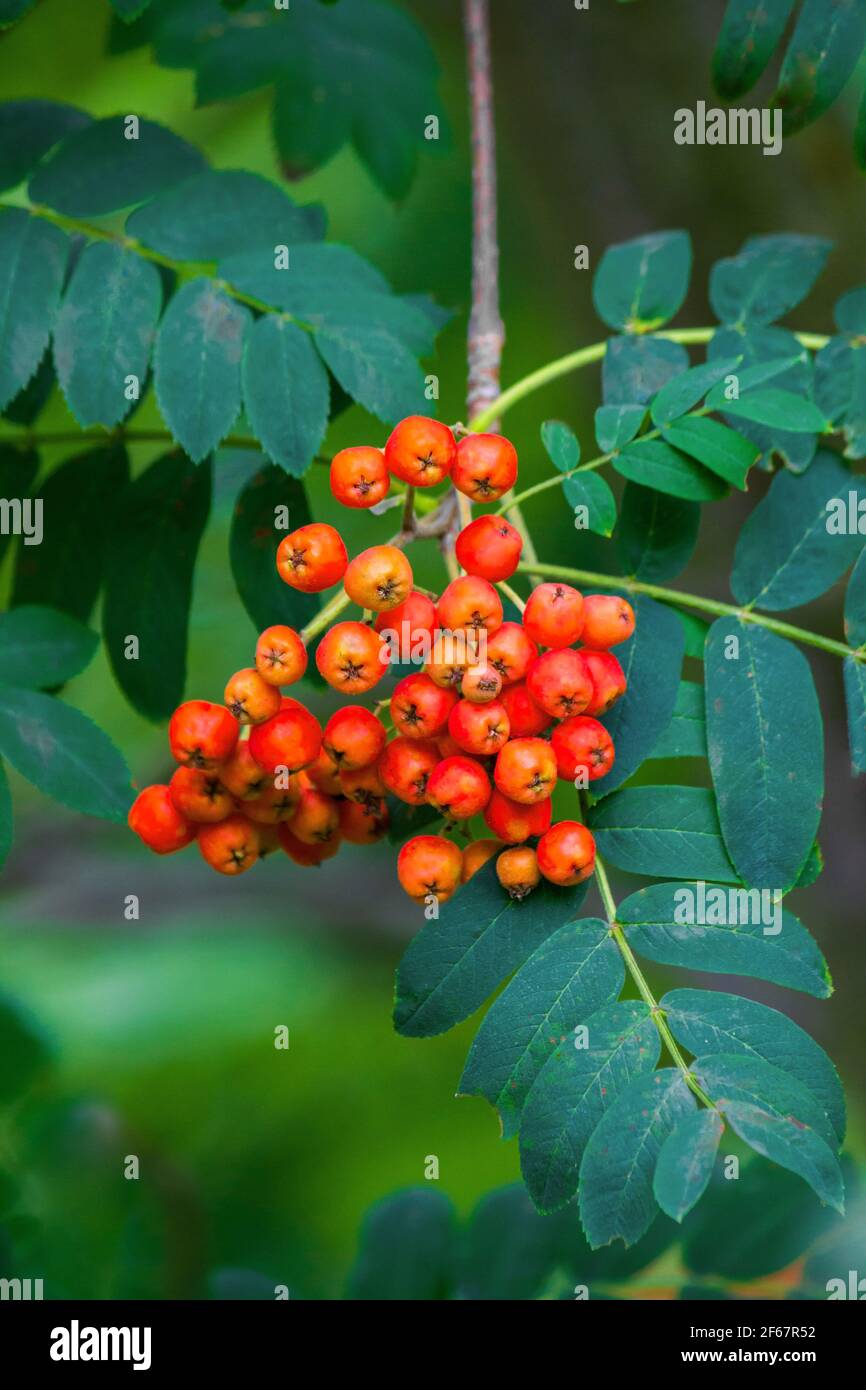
[
  {"x": 476, "y": 855},
  {"x": 486, "y": 467},
  {"x": 379, "y": 578},
  {"x": 560, "y": 682},
  {"x": 352, "y": 657},
  {"x": 364, "y": 785},
  {"x": 274, "y": 804},
  {"x": 359, "y": 476},
  {"x": 584, "y": 746},
  {"x": 241, "y": 775},
  {"x": 408, "y": 629},
  {"x": 312, "y": 558},
  {"x": 230, "y": 847},
  {"x": 250, "y": 698},
  {"x": 553, "y": 616},
  {"x": 316, "y": 818},
  {"x": 419, "y": 708},
  {"x": 156, "y": 820},
  {"x": 480, "y": 684},
  {"x": 607, "y": 619},
  {"x": 362, "y": 825},
  {"x": 513, "y": 822},
  {"x": 201, "y": 734},
  {"x": 323, "y": 774},
  {"x": 429, "y": 866},
  {"x": 566, "y": 853},
  {"x": 470, "y": 605},
  {"x": 479, "y": 729},
  {"x": 405, "y": 768},
  {"x": 281, "y": 657},
  {"x": 353, "y": 737},
  {"x": 511, "y": 651},
  {"x": 524, "y": 715},
  {"x": 421, "y": 451},
  {"x": 291, "y": 739},
  {"x": 525, "y": 770},
  {"x": 459, "y": 788},
  {"x": 490, "y": 547},
  {"x": 200, "y": 796},
  {"x": 308, "y": 856},
  {"x": 608, "y": 680}
]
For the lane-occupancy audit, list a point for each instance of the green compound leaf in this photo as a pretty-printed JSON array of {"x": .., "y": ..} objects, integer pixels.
[
  {"x": 790, "y": 1144},
  {"x": 767, "y": 770},
  {"x": 653, "y": 463},
  {"x": 640, "y": 284},
  {"x": 747, "y": 40},
  {"x": 747, "y": 1077},
  {"x": 616, "y": 425},
  {"x": 253, "y": 543},
  {"x": 7, "y": 821},
  {"x": 98, "y": 169},
  {"x": 767, "y": 278},
  {"x": 562, "y": 445},
  {"x": 41, "y": 648},
  {"x": 104, "y": 332},
  {"x": 651, "y": 659},
  {"x": 855, "y": 703},
  {"x": 482, "y": 935},
  {"x": 663, "y": 832},
  {"x": 840, "y": 390},
  {"x": 720, "y": 449},
  {"x": 408, "y": 1248},
  {"x": 685, "y": 1163},
  {"x": 742, "y": 934},
  {"x": 571, "y": 974},
  {"x": 592, "y": 502},
  {"x": 510, "y": 1251},
  {"x": 374, "y": 368},
  {"x": 286, "y": 392},
  {"x": 65, "y": 570},
  {"x": 780, "y": 410},
  {"x": 63, "y": 754},
  {"x": 684, "y": 392},
  {"x": 616, "y": 1174},
  {"x": 572, "y": 1091},
  {"x": 774, "y": 355},
  {"x": 148, "y": 586},
  {"x": 855, "y": 604},
  {"x": 686, "y": 734},
  {"x": 799, "y": 539},
  {"x": 822, "y": 54},
  {"x": 33, "y": 258},
  {"x": 28, "y": 130},
  {"x": 657, "y": 533},
  {"x": 198, "y": 365},
  {"x": 635, "y": 368},
  {"x": 706, "y": 1022}
]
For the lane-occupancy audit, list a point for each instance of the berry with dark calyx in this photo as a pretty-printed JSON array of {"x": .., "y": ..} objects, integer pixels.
[
  {"x": 156, "y": 820},
  {"x": 560, "y": 682},
  {"x": 525, "y": 770},
  {"x": 479, "y": 729},
  {"x": 312, "y": 558},
  {"x": 405, "y": 768},
  {"x": 429, "y": 866},
  {"x": 269, "y": 839},
  {"x": 413, "y": 622},
  {"x": 324, "y": 774},
  {"x": 553, "y": 616},
  {"x": 470, "y": 605},
  {"x": 524, "y": 715},
  {"x": 362, "y": 825},
  {"x": 349, "y": 657},
  {"x": 359, "y": 476},
  {"x": 291, "y": 739},
  {"x": 420, "y": 709},
  {"x": 582, "y": 747},
  {"x": 420, "y": 451},
  {"x": 308, "y": 856},
  {"x": 607, "y": 619},
  {"x": 364, "y": 785},
  {"x": 316, "y": 818},
  {"x": 512, "y": 651},
  {"x": 446, "y": 674},
  {"x": 200, "y": 796},
  {"x": 281, "y": 657},
  {"x": 566, "y": 854},
  {"x": 202, "y": 734},
  {"x": 480, "y": 684},
  {"x": 242, "y": 775},
  {"x": 476, "y": 855},
  {"x": 513, "y": 822},
  {"x": 353, "y": 737},
  {"x": 489, "y": 547},
  {"x": 232, "y": 846},
  {"x": 274, "y": 804},
  {"x": 517, "y": 871},
  {"x": 608, "y": 680},
  {"x": 459, "y": 788},
  {"x": 485, "y": 467},
  {"x": 379, "y": 578},
  {"x": 250, "y": 698}
]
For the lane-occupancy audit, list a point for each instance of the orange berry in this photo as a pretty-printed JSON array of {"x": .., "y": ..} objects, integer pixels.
[
  {"x": 230, "y": 847},
  {"x": 420, "y": 451},
  {"x": 308, "y": 856},
  {"x": 582, "y": 745},
  {"x": 517, "y": 871},
  {"x": 156, "y": 820},
  {"x": 566, "y": 853},
  {"x": 560, "y": 682},
  {"x": 429, "y": 866},
  {"x": 274, "y": 804},
  {"x": 316, "y": 818},
  {"x": 511, "y": 650},
  {"x": 379, "y": 578},
  {"x": 524, "y": 715},
  {"x": 241, "y": 775},
  {"x": 485, "y": 467},
  {"x": 359, "y": 476},
  {"x": 513, "y": 822},
  {"x": 362, "y": 825},
  {"x": 353, "y": 737},
  {"x": 250, "y": 698},
  {"x": 420, "y": 709},
  {"x": 312, "y": 558},
  {"x": 607, "y": 619},
  {"x": 470, "y": 605},
  {"x": 405, "y": 768},
  {"x": 323, "y": 773},
  {"x": 202, "y": 734},
  {"x": 489, "y": 547},
  {"x": 476, "y": 855},
  {"x": 350, "y": 657},
  {"x": 480, "y": 684},
  {"x": 525, "y": 770},
  {"x": 553, "y": 616},
  {"x": 363, "y": 785},
  {"x": 291, "y": 739},
  {"x": 479, "y": 729},
  {"x": 458, "y": 788},
  {"x": 200, "y": 796},
  {"x": 411, "y": 625},
  {"x": 281, "y": 657},
  {"x": 607, "y": 678}
]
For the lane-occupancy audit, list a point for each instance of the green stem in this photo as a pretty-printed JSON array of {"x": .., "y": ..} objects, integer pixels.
[
  {"x": 706, "y": 605},
  {"x": 323, "y": 618},
  {"x": 584, "y": 356},
  {"x": 518, "y": 602}
]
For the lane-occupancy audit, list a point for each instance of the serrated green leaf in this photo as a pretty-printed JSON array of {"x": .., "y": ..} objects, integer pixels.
[
  {"x": 616, "y": 425},
  {"x": 570, "y": 975},
  {"x": 481, "y": 936},
  {"x": 779, "y": 410},
  {"x": 786, "y": 554},
  {"x": 374, "y": 368},
  {"x": 408, "y": 1248},
  {"x": 7, "y": 821},
  {"x": 661, "y": 924},
  {"x": 219, "y": 212},
  {"x": 687, "y": 390},
  {"x": 33, "y": 258},
  {"x": 663, "y": 832},
  {"x": 746, "y": 43},
  {"x": 854, "y": 673},
  {"x": 651, "y": 659},
  {"x": 18, "y": 468},
  {"x": 822, "y": 54},
  {"x": 197, "y": 365},
  {"x": 510, "y": 1251},
  {"x": 98, "y": 169},
  {"x": 63, "y": 754},
  {"x": 32, "y": 398},
  {"x": 104, "y": 332},
  {"x": 41, "y": 648},
  {"x": 253, "y": 546},
  {"x": 685, "y": 1163},
  {"x": 562, "y": 445},
  {"x": 707, "y": 1022},
  {"x": 657, "y": 533},
  {"x": 78, "y": 498},
  {"x": 28, "y": 130},
  {"x": 616, "y": 1174},
  {"x": 148, "y": 586},
  {"x": 768, "y": 772},
  {"x": 767, "y": 278},
  {"x": 286, "y": 392},
  {"x": 653, "y": 463},
  {"x": 590, "y": 491},
  {"x": 640, "y": 284},
  {"x": 686, "y": 734},
  {"x": 572, "y": 1091},
  {"x": 635, "y": 368},
  {"x": 718, "y": 448}
]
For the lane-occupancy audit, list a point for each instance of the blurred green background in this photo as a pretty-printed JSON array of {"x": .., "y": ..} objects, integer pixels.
[{"x": 162, "y": 1029}]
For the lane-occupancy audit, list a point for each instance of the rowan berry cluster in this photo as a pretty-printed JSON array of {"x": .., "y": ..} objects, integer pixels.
[{"x": 497, "y": 713}]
